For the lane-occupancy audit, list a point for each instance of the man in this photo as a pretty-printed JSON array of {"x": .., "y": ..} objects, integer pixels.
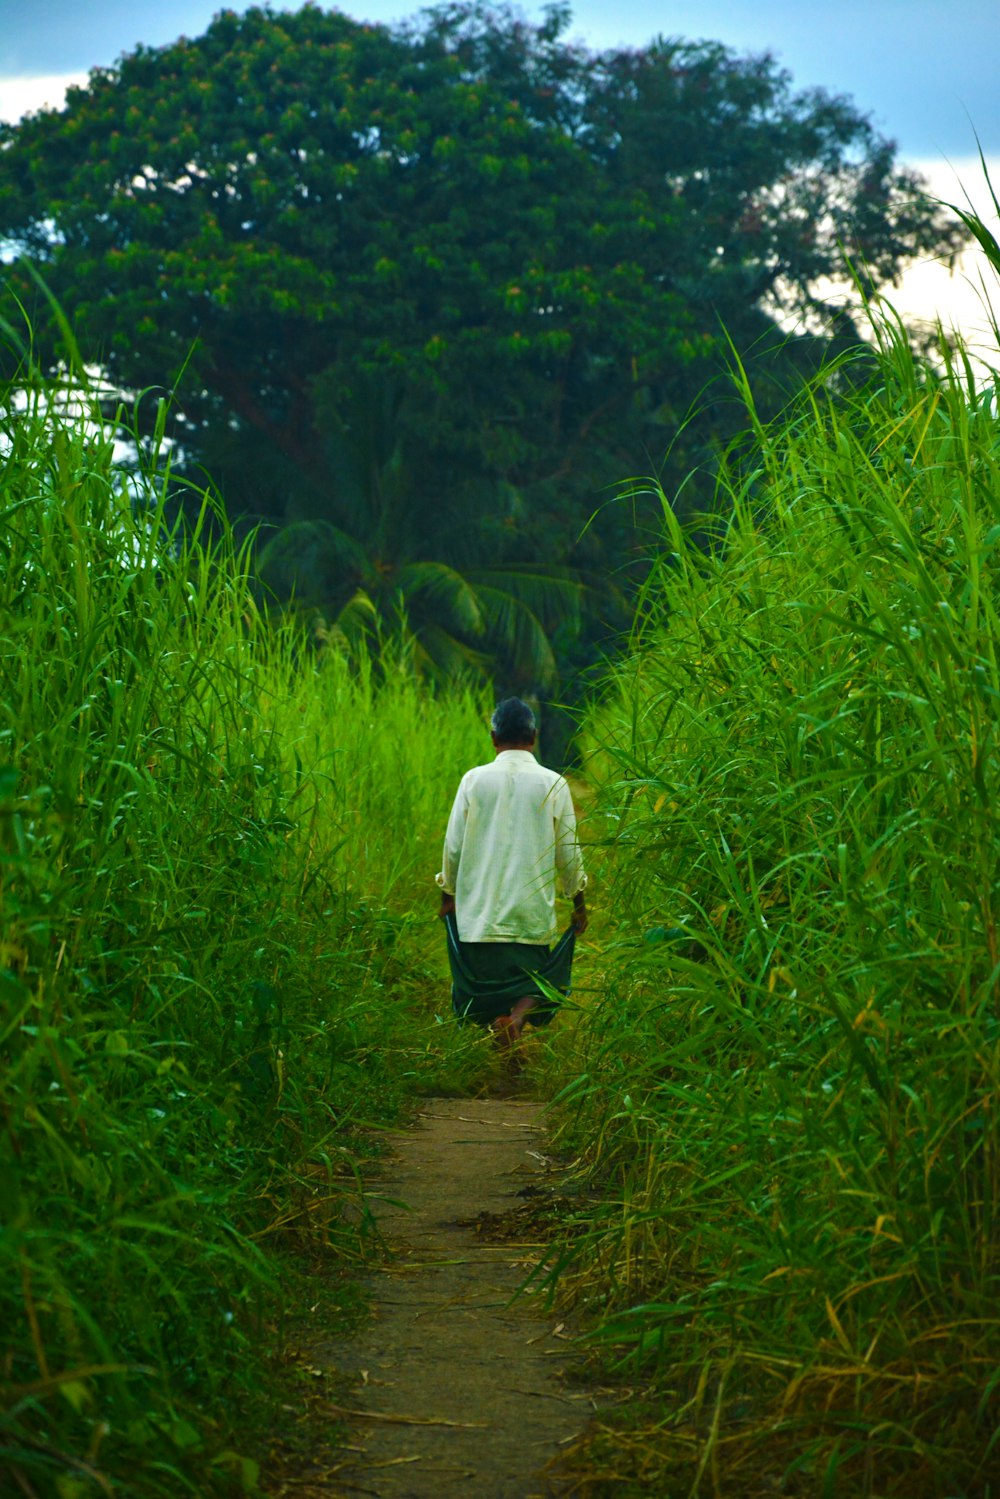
[{"x": 511, "y": 839}]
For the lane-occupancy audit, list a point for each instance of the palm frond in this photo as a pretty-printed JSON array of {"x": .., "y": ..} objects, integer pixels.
[
  {"x": 516, "y": 632},
  {"x": 445, "y": 657},
  {"x": 358, "y": 617},
  {"x": 548, "y": 592},
  {"x": 313, "y": 561},
  {"x": 453, "y": 599}
]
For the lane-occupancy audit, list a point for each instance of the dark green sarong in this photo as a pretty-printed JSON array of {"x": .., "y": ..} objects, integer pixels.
[{"x": 488, "y": 977}]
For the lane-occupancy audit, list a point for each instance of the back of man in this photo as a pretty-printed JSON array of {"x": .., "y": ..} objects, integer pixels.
[
  {"x": 511, "y": 841},
  {"x": 515, "y": 836}
]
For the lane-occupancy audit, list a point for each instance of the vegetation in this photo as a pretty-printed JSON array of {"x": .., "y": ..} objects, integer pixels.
[
  {"x": 214, "y": 848},
  {"x": 216, "y": 828},
  {"x": 462, "y": 266},
  {"x": 788, "y": 1092}
]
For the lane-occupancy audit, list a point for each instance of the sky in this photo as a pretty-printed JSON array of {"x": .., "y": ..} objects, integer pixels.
[{"x": 924, "y": 70}]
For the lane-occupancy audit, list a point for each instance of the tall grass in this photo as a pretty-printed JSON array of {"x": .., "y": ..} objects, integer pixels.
[
  {"x": 792, "y": 1085},
  {"x": 213, "y": 841}
]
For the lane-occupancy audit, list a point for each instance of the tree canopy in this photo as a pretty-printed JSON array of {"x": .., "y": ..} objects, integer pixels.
[{"x": 542, "y": 250}]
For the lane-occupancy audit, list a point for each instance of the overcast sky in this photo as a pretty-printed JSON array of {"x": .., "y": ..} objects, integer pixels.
[{"x": 925, "y": 70}]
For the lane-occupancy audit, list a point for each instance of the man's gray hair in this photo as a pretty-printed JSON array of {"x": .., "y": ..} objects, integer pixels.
[{"x": 513, "y": 722}]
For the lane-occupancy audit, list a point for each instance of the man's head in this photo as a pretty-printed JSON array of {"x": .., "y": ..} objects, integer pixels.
[{"x": 513, "y": 725}]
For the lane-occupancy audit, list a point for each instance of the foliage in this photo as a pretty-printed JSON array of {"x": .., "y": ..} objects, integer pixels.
[
  {"x": 791, "y": 1087},
  {"x": 365, "y": 575},
  {"x": 535, "y": 244},
  {"x": 210, "y": 855}
]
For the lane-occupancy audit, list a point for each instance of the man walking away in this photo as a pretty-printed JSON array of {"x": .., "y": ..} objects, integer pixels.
[{"x": 511, "y": 840}]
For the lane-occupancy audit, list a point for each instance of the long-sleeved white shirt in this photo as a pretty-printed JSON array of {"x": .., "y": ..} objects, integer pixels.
[{"x": 511, "y": 836}]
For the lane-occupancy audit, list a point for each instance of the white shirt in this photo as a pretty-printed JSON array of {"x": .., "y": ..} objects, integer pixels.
[{"x": 511, "y": 834}]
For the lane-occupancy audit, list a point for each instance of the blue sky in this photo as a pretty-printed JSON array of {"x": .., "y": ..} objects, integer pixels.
[{"x": 926, "y": 70}]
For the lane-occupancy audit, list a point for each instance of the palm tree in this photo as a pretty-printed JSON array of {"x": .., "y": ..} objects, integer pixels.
[{"x": 387, "y": 555}]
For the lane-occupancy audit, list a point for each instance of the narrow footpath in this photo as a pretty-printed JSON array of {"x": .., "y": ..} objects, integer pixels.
[{"x": 459, "y": 1391}]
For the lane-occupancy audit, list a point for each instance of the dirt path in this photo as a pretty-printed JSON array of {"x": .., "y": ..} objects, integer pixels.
[{"x": 461, "y": 1392}]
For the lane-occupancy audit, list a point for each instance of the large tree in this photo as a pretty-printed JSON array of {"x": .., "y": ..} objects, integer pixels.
[{"x": 542, "y": 247}]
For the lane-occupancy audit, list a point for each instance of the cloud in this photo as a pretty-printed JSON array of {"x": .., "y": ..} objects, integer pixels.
[
  {"x": 960, "y": 298},
  {"x": 19, "y": 95},
  {"x": 964, "y": 299}
]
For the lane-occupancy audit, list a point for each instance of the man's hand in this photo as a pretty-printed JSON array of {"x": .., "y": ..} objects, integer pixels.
[
  {"x": 447, "y": 905},
  {"x": 578, "y": 920}
]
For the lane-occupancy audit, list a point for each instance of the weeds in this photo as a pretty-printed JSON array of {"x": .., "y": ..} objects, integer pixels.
[
  {"x": 791, "y": 1085},
  {"x": 211, "y": 842}
]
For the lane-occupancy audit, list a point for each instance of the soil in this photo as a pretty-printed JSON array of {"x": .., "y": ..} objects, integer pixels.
[{"x": 459, "y": 1381}]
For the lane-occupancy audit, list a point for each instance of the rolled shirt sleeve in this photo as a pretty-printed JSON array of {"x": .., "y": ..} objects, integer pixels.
[
  {"x": 569, "y": 859},
  {"x": 447, "y": 879}
]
